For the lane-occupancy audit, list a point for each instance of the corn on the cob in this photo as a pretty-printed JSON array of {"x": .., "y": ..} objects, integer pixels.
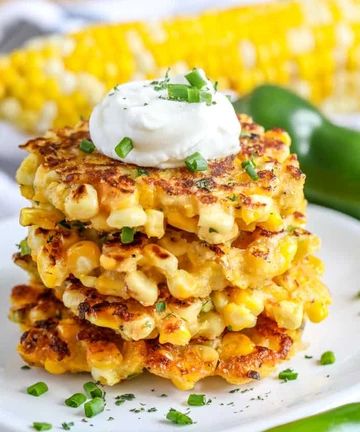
[{"x": 313, "y": 47}]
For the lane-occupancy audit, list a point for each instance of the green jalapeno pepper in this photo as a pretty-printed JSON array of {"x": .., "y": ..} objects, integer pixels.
[{"x": 328, "y": 154}]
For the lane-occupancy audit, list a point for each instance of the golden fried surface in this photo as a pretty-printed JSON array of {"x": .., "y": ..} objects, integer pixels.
[
  {"x": 65, "y": 183},
  {"x": 61, "y": 343}
]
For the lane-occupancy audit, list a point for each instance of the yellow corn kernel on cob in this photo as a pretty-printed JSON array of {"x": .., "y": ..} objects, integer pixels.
[{"x": 310, "y": 46}]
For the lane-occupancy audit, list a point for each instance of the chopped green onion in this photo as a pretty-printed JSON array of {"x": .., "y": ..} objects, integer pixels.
[
  {"x": 178, "y": 92},
  {"x": 87, "y": 146},
  {"x": 40, "y": 426},
  {"x": 127, "y": 235},
  {"x": 206, "y": 97},
  {"x": 178, "y": 418},
  {"x": 24, "y": 248},
  {"x": 119, "y": 400},
  {"x": 193, "y": 95},
  {"x": 308, "y": 357},
  {"x": 141, "y": 172},
  {"x": 92, "y": 390},
  {"x": 75, "y": 400},
  {"x": 196, "y": 79},
  {"x": 196, "y": 162},
  {"x": 94, "y": 407},
  {"x": 67, "y": 426},
  {"x": 37, "y": 389},
  {"x": 25, "y": 367},
  {"x": 213, "y": 230},
  {"x": 124, "y": 147},
  {"x": 204, "y": 183},
  {"x": 328, "y": 357},
  {"x": 288, "y": 375},
  {"x": 196, "y": 400},
  {"x": 160, "y": 306},
  {"x": 249, "y": 167}
]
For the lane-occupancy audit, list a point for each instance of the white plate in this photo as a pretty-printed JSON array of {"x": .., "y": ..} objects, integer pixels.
[{"x": 269, "y": 403}]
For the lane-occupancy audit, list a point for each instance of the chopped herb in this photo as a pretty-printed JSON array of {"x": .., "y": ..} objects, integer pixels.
[
  {"x": 137, "y": 410},
  {"x": 196, "y": 79},
  {"x": 163, "y": 395},
  {"x": 328, "y": 357},
  {"x": 229, "y": 328},
  {"x": 41, "y": 426},
  {"x": 119, "y": 400},
  {"x": 64, "y": 224},
  {"x": 216, "y": 83},
  {"x": 92, "y": 390},
  {"x": 291, "y": 228},
  {"x": 110, "y": 418},
  {"x": 288, "y": 375},
  {"x": 178, "y": 418},
  {"x": 249, "y": 167},
  {"x": 124, "y": 147},
  {"x": 127, "y": 235},
  {"x": 141, "y": 172},
  {"x": 232, "y": 197},
  {"x": 24, "y": 248},
  {"x": 196, "y": 162},
  {"x": 204, "y": 183},
  {"x": 213, "y": 230},
  {"x": 234, "y": 390},
  {"x": 196, "y": 400},
  {"x": 37, "y": 389},
  {"x": 94, "y": 407},
  {"x": 75, "y": 400},
  {"x": 193, "y": 95},
  {"x": 160, "y": 306},
  {"x": 308, "y": 357},
  {"x": 178, "y": 92},
  {"x": 161, "y": 85},
  {"x": 87, "y": 146},
  {"x": 153, "y": 409},
  {"x": 25, "y": 367},
  {"x": 67, "y": 426}
]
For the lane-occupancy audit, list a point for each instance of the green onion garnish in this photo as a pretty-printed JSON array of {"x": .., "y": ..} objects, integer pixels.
[
  {"x": 178, "y": 92},
  {"x": 193, "y": 95},
  {"x": 67, "y": 426},
  {"x": 24, "y": 248},
  {"x": 40, "y": 426},
  {"x": 196, "y": 162},
  {"x": 160, "y": 306},
  {"x": 87, "y": 146},
  {"x": 195, "y": 79},
  {"x": 127, "y": 235},
  {"x": 288, "y": 375},
  {"x": 37, "y": 389},
  {"x": 249, "y": 167},
  {"x": 94, "y": 407},
  {"x": 328, "y": 357},
  {"x": 124, "y": 147},
  {"x": 196, "y": 400},
  {"x": 206, "y": 97},
  {"x": 141, "y": 171},
  {"x": 178, "y": 418},
  {"x": 75, "y": 400},
  {"x": 119, "y": 400},
  {"x": 92, "y": 390}
]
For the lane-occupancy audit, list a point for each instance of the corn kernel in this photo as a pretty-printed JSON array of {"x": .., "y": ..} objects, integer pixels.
[
  {"x": 316, "y": 311},
  {"x": 82, "y": 258},
  {"x": 81, "y": 203},
  {"x": 129, "y": 217}
]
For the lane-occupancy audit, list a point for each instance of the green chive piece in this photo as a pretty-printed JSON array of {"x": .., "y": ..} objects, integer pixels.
[
  {"x": 178, "y": 92},
  {"x": 141, "y": 171},
  {"x": 40, "y": 426},
  {"x": 75, "y": 400},
  {"x": 124, "y": 147},
  {"x": 196, "y": 162},
  {"x": 67, "y": 426},
  {"x": 92, "y": 390},
  {"x": 119, "y": 400},
  {"x": 196, "y": 400},
  {"x": 193, "y": 95},
  {"x": 249, "y": 167},
  {"x": 288, "y": 375},
  {"x": 160, "y": 306},
  {"x": 127, "y": 235},
  {"x": 25, "y": 367},
  {"x": 87, "y": 146},
  {"x": 37, "y": 389},
  {"x": 196, "y": 79},
  {"x": 94, "y": 407},
  {"x": 178, "y": 418},
  {"x": 24, "y": 248},
  {"x": 213, "y": 230},
  {"x": 206, "y": 97},
  {"x": 328, "y": 357}
]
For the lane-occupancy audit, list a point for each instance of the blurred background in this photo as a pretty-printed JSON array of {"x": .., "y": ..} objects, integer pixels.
[{"x": 58, "y": 58}]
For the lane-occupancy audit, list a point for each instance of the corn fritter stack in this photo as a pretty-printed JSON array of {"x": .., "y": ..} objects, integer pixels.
[
  {"x": 185, "y": 274},
  {"x": 310, "y": 46}
]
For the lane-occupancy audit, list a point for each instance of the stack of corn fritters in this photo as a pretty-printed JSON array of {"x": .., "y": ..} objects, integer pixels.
[{"x": 184, "y": 274}]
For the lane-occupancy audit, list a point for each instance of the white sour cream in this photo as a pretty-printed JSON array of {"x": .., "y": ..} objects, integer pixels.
[{"x": 164, "y": 132}]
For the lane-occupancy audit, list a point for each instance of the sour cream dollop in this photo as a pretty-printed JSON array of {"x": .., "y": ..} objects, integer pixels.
[{"x": 164, "y": 132}]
